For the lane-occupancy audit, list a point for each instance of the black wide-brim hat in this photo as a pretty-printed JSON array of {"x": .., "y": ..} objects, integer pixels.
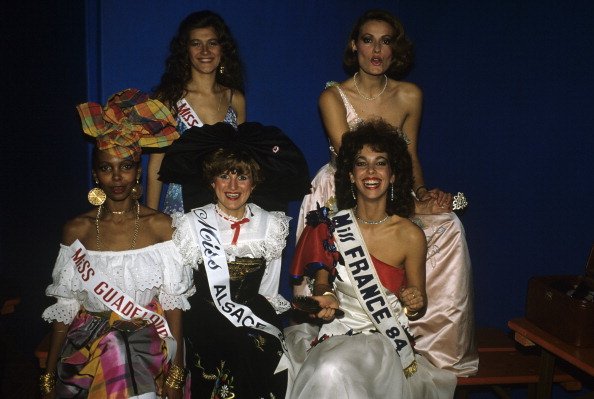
[{"x": 283, "y": 166}]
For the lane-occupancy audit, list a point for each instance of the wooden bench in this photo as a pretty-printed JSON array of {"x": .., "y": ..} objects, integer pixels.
[{"x": 501, "y": 364}]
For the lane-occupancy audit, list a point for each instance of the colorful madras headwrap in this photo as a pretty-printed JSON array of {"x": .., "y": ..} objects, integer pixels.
[{"x": 129, "y": 121}]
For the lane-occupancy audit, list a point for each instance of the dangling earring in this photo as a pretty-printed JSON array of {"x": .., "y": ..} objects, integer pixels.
[
  {"x": 96, "y": 195},
  {"x": 221, "y": 69},
  {"x": 136, "y": 190},
  {"x": 353, "y": 191},
  {"x": 392, "y": 192}
]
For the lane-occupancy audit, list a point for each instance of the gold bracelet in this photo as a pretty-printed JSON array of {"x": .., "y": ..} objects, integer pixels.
[
  {"x": 417, "y": 190},
  {"x": 332, "y": 294},
  {"x": 176, "y": 378},
  {"x": 409, "y": 313},
  {"x": 47, "y": 382}
]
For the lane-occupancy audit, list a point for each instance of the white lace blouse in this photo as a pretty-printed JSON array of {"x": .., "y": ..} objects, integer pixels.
[
  {"x": 152, "y": 272},
  {"x": 264, "y": 236}
]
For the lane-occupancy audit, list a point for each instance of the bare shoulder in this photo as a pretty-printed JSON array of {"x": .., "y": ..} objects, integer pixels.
[
  {"x": 158, "y": 223},
  {"x": 408, "y": 91},
  {"x": 238, "y": 98},
  {"x": 329, "y": 96},
  {"x": 79, "y": 228},
  {"x": 409, "y": 232}
]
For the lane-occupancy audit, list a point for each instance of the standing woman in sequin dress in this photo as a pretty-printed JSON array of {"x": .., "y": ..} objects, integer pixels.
[{"x": 202, "y": 84}]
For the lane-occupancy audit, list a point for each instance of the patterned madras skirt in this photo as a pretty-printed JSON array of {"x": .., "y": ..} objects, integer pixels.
[{"x": 107, "y": 357}]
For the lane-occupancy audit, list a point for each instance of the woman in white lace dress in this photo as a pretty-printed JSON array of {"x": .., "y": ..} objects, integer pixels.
[{"x": 118, "y": 272}]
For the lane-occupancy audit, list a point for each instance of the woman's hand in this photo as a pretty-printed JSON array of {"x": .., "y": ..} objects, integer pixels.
[
  {"x": 329, "y": 304},
  {"x": 412, "y": 298},
  {"x": 433, "y": 201},
  {"x": 443, "y": 199},
  {"x": 429, "y": 207}
]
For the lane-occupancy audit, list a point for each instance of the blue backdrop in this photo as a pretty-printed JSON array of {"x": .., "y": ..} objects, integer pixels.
[{"x": 507, "y": 116}]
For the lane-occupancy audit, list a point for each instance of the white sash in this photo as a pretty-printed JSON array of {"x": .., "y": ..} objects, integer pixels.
[
  {"x": 369, "y": 292},
  {"x": 205, "y": 229},
  {"x": 186, "y": 115},
  {"x": 95, "y": 283}
]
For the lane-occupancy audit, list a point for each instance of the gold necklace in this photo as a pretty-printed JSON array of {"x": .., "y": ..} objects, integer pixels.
[
  {"x": 363, "y": 95},
  {"x": 119, "y": 212},
  {"x": 136, "y": 224}
]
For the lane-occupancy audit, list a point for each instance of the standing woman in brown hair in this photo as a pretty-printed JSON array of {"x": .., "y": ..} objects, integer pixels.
[
  {"x": 377, "y": 55},
  {"x": 202, "y": 84},
  {"x": 119, "y": 280}
]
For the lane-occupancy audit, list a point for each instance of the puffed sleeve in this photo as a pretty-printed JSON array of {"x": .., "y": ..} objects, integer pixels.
[
  {"x": 177, "y": 279},
  {"x": 184, "y": 240},
  {"x": 67, "y": 305},
  {"x": 275, "y": 242}
]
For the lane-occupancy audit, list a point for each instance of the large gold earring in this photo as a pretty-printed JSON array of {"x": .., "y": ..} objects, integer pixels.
[
  {"x": 96, "y": 195},
  {"x": 136, "y": 190}
]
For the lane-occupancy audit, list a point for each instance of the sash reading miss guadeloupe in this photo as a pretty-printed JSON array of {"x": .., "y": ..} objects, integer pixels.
[{"x": 95, "y": 282}]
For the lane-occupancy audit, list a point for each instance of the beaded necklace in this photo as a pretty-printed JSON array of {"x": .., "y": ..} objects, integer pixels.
[{"x": 363, "y": 95}]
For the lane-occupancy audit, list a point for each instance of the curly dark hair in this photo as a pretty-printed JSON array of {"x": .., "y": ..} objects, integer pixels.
[
  {"x": 381, "y": 137},
  {"x": 402, "y": 47},
  {"x": 232, "y": 160},
  {"x": 177, "y": 66}
]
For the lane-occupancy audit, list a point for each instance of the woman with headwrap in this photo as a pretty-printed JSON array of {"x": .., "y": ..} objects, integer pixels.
[{"x": 119, "y": 281}]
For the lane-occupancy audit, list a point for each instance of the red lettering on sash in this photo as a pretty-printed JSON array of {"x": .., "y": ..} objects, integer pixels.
[
  {"x": 118, "y": 302},
  {"x": 128, "y": 308},
  {"x": 90, "y": 272},
  {"x": 77, "y": 258},
  {"x": 107, "y": 296},
  {"x": 99, "y": 287},
  {"x": 135, "y": 312},
  {"x": 186, "y": 114}
]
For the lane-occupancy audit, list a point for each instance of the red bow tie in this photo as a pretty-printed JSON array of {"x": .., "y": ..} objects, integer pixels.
[{"x": 237, "y": 227}]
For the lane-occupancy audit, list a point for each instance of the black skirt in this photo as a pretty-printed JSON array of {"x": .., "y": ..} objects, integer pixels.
[{"x": 228, "y": 361}]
